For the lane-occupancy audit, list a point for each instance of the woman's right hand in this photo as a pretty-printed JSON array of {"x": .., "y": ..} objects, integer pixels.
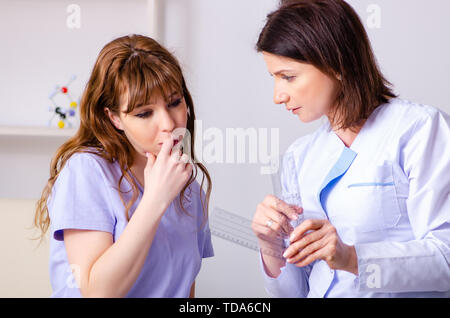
[
  {"x": 271, "y": 223},
  {"x": 166, "y": 175}
]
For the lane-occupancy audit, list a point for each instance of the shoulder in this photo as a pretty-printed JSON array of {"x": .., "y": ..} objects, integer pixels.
[
  {"x": 88, "y": 168},
  {"x": 410, "y": 114},
  {"x": 90, "y": 157},
  {"x": 88, "y": 162},
  {"x": 422, "y": 138},
  {"x": 415, "y": 132},
  {"x": 81, "y": 197}
]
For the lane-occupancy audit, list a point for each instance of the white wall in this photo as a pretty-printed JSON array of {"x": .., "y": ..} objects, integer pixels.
[
  {"x": 39, "y": 51},
  {"x": 215, "y": 41}
]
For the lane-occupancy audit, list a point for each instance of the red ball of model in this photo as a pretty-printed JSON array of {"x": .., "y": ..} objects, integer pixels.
[{"x": 64, "y": 89}]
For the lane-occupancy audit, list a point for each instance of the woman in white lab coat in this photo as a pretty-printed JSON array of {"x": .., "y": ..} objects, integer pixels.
[{"x": 374, "y": 179}]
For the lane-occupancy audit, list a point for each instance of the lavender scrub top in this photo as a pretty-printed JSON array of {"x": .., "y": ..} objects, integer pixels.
[{"x": 85, "y": 197}]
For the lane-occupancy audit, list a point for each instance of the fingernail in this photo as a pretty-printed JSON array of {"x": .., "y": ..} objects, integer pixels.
[
  {"x": 285, "y": 254},
  {"x": 292, "y": 237}
]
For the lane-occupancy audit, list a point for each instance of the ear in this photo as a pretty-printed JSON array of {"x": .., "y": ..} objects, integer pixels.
[{"x": 115, "y": 120}]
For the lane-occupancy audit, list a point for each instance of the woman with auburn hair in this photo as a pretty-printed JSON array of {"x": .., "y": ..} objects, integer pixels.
[
  {"x": 374, "y": 179},
  {"x": 127, "y": 216}
]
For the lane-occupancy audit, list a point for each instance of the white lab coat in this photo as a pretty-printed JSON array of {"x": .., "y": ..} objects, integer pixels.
[{"x": 388, "y": 195}]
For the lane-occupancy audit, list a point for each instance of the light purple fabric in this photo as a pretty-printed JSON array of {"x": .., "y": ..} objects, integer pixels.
[{"x": 85, "y": 196}]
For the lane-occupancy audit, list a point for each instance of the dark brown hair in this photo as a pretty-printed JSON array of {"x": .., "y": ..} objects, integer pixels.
[
  {"x": 138, "y": 67},
  {"x": 329, "y": 35}
]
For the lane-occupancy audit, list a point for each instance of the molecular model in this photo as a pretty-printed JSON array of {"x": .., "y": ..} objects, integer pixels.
[{"x": 63, "y": 113}]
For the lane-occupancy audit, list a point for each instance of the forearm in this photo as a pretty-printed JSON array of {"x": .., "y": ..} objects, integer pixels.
[
  {"x": 421, "y": 265},
  {"x": 272, "y": 265},
  {"x": 116, "y": 270},
  {"x": 283, "y": 279}
]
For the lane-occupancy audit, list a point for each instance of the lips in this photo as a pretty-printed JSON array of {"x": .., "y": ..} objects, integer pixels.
[{"x": 294, "y": 110}]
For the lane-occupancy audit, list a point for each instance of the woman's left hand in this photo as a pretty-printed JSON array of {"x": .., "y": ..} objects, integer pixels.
[{"x": 322, "y": 243}]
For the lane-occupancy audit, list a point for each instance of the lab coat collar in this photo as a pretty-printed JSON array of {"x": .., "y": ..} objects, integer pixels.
[{"x": 358, "y": 143}]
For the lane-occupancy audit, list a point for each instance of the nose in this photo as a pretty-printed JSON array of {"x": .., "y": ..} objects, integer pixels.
[
  {"x": 166, "y": 122},
  {"x": 280, "y": 97}
]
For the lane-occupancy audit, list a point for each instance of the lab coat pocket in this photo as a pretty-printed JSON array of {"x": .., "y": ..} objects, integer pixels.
[{"x": 373, "y": 200}]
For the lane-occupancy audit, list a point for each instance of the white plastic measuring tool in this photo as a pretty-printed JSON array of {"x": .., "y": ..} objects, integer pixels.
[{"x": 238, "y": 230}]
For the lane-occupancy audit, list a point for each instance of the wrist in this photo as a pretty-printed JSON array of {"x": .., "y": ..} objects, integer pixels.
[
  {"x": 272, "y": 265},
  {"x": 151, "y": 202},
  {"x": 352, "y": 265},
  {"x": 272, "y": 251}
]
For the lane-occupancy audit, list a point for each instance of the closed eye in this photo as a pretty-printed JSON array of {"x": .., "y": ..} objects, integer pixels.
[
  {"x": 175, "y": 103},
  {"x": 145, "y": 114},
  {"x": 288, "y": 78},
  {"x": 148, "y": 113}
]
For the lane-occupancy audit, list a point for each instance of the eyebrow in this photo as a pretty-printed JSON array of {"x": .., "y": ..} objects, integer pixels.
[
  {"x": 281, "y": 71},
  {"x": 152, "y": 103}
]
